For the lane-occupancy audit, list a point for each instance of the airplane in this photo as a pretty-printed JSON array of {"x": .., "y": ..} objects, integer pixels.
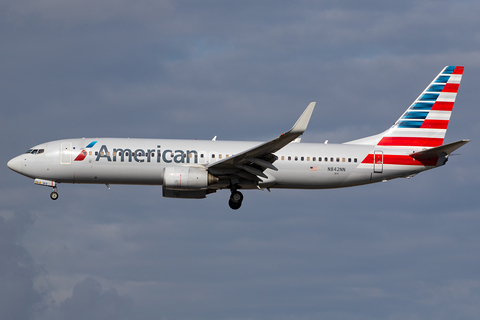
[{"x": 192, "y": 169}]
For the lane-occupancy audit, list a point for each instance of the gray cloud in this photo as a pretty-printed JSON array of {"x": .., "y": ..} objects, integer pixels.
[
  {"x": 240, "y": 70},
  {"x": 89, "y": 301},
  {"x": 19, "y": 299}
]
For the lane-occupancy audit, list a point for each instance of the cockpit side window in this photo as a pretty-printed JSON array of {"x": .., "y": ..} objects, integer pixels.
[{"x": 35, "y": 151}]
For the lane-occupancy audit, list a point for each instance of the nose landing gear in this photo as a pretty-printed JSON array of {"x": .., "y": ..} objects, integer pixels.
[
  {"x": 48, "y": 183},
  {"x": 236, "y": 199},
  {"x": 54, "y": 194}
]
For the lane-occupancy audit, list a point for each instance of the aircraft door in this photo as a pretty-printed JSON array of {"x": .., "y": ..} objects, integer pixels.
[
  {"x": 378, "y": 161},
  {"x": 66, "y": 153}
]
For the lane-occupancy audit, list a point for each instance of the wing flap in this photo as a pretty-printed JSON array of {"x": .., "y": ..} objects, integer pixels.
[
  {"x": 263, "y": 163},
  {"x": 253, "y": 170}
]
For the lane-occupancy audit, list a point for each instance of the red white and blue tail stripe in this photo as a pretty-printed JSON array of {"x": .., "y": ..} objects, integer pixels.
[{"x": 425, "y": 122}]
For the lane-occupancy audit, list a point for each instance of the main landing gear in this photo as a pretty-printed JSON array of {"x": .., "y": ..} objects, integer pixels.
[{"x": 236, "y": 199}]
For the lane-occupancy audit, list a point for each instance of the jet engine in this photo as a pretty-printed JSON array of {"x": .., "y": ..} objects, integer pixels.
[{"x": 187, "y": 178}]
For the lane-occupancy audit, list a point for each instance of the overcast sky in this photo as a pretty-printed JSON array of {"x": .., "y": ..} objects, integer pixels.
[{"x": 404, "y": 249}]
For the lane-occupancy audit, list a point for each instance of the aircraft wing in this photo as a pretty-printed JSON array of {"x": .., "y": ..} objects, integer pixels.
[
  {"x": 251, "y": 163},
  {"x": 440, "y": 151}
]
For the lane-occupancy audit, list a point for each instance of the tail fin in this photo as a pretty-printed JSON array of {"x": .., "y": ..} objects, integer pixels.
[{"x": 425, "y": 122}]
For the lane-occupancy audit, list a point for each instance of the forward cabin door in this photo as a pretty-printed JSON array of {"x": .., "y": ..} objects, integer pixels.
[
  {"x": 66, "y": 153},
  {"x": 378, "y": 161}
]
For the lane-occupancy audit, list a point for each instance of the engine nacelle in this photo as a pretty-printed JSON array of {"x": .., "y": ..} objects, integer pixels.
[{"x": 187, "y": 178}]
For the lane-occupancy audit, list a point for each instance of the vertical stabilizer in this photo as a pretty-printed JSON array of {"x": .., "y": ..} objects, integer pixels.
[{"x": 425, "y": 122}]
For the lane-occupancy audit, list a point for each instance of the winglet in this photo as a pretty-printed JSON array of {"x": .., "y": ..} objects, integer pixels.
[{"x": 302, "y": 122}]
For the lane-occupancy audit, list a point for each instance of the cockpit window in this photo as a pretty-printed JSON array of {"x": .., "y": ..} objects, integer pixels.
[{"x": 36, "y": 151}]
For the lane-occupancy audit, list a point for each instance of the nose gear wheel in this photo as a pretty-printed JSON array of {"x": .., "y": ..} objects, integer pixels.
[{"x": 54, "y": 194}]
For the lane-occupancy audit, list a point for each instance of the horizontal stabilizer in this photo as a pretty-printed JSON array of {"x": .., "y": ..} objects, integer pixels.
[{"x": 441, "y": 151}]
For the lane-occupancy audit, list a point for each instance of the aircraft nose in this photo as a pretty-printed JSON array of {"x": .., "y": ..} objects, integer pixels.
[{"x": 15, "y": 164}]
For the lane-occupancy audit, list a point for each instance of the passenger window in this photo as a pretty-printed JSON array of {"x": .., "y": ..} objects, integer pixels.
[
  {"x": 308, "y": 158},
  {"x": 289, "y": 158},
  {"x": 331, "y": 159},
  {"x": 349, "y": 159},
  {"x": 355, "y": 160},
  {"x": 296, "y": 158},
  {"x": 314, "y": 159},
  {"x": 301, "y": 158},
  {"x": 220, "y": 156},
  {"x": 343, "y": 159},
  {"x": 283, "y": 158}
]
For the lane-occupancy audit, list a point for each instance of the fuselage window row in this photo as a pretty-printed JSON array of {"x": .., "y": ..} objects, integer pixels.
[
  {"x": 202, "y": 156},
  {"x": 337, "y": 159}
]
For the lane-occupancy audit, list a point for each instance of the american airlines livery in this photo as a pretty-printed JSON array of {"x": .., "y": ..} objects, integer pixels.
[{"x": 192, "y": 169}]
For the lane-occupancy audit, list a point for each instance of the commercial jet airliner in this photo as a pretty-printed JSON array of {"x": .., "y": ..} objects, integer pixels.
[{"x": 192, "y": 169}]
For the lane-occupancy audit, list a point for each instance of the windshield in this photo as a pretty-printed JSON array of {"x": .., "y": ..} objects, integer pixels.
[{"x": 35, "y": 151}]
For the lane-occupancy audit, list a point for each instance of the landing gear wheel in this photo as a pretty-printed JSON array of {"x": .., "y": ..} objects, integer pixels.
[
  {"x": 236, "y": 196},
  {"x": 54, "y": 195},
  {"x": 236, "y": 199},
  {"x": 234, "y": 205}
]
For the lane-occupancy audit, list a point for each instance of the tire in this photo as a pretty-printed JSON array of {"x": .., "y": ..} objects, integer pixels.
[
  {"x": 236, "y": 197},
  {"x": 54, "y": 195},
  {"x": 234, "y": 205}
]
